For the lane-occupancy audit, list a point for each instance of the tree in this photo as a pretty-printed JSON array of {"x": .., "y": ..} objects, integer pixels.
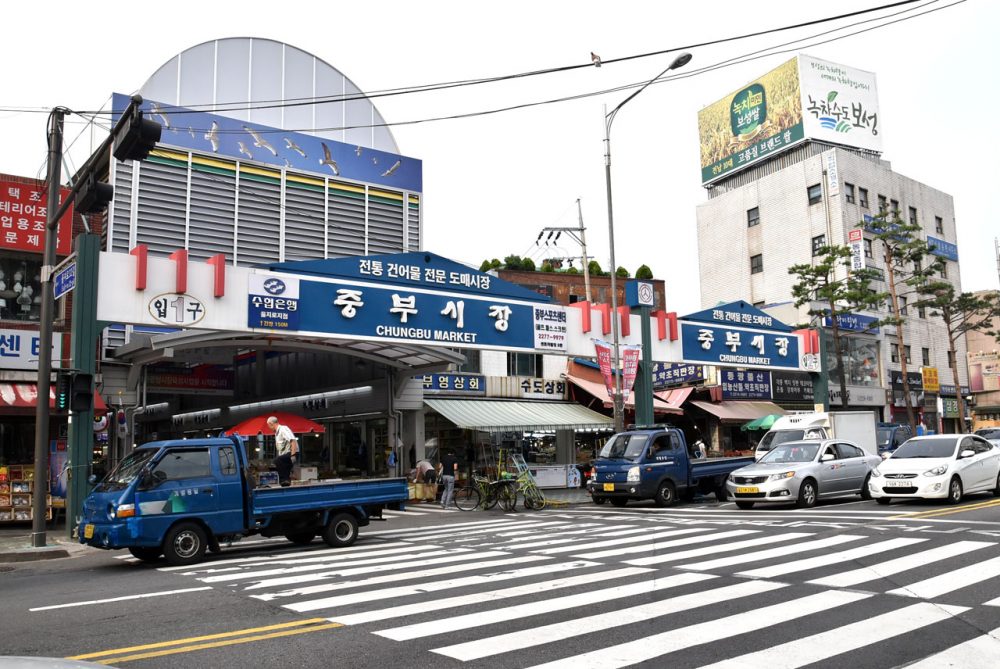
[
  {"x": 572, "y": 270},
  {"x": 832, "y": 283},
  {"x": 513, "y": 262},
  {"x": 594, "y": 268},
  {"x": 903, "y": 252},
  {"x": 486, "y": 266},
  {"x": 644, "y": 272},
  {"x": 528, "y": 265},
  {"x": 495, "y": 264},
  {"x": 547, "y": 267},
  {"x": 961, "y": 313},
  {"x": 622, "y": 273}
]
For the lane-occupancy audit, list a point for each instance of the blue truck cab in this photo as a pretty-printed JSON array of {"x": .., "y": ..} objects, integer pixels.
[
  {"x": 659, "y": 464},
  {"x": 889, "y": 436},
  {"x": 180, "y": 498}
]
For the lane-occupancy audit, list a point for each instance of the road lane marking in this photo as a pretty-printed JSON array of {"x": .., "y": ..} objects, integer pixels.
[
  {"x": 710, "y": 550},
  {"x": 847, "y": 579},
  {"x": 978, "y": 653},
  {"x": 779, "y": 552},
  {"x": 618, "y": 541},
  {"x": 308, "y": 624},
  {"x": 120, "y": 599},
  {"x": 828, "y": 559},
  {"x": 947, "y": 512},
  {"x": 657, "y": 546},
  {"x": 951, "y": 581}
]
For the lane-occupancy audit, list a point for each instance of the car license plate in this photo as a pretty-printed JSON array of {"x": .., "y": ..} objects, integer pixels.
[
  {"x": 897, "y": 483},
  {"x": 88, "y": 531},
  {"x": 609, "y": 487},
  {"x": 747, "y": 490}
]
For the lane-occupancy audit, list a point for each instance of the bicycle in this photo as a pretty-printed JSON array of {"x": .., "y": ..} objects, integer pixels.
[
  {"x": 534, "y": 500},
  {"x": 486, "y": 494}
]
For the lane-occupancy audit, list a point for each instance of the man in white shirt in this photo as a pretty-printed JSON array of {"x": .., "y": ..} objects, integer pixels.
[{"x": 287, "y": 447}]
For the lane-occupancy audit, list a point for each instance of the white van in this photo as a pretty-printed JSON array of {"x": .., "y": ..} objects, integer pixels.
[{"x": 858, "y": 427}]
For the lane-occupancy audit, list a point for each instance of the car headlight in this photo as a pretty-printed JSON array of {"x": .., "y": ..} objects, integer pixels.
[
  {"x": 633, "y": 475},
  {"x": 731, "y": 478},
  {"x": 781, "y": 476},
  {"x": 876, "y": 473},
  {"x": 937, "y": 471}
]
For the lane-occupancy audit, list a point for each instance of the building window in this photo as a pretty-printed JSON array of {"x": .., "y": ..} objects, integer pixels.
[
  {"x": 759, "y": 304},
  {"x": 921, "y": 311},
  {"x": 849, "y": 192},
  {"x": 868, "y": 249},
  {"x": 863, "y": 197},
  {"x": 753, "y": 217},
  {"x": 951, "y": 359},
  {"x": 818, "y": 243},
  {"x": 902, "y": 305},
  {"x": 894, "y": 207},
  {"x": 882, "y": 204},
  {"x": 815, "y": 193},
  {"x": 906, "y": 353},
  {"x": 756, "y": 264},
  {"x": 925, "y": 354},
  {"x": 473, "y": 362},
  {"x": 944, "y": 270},
  {"x": 20, "y": 286},
  {"x": 913, "y": 216},
  {"x": 894, "y": 353},
  {"x": 524, "y": 364},
  {"x": 939, "y": 225}
]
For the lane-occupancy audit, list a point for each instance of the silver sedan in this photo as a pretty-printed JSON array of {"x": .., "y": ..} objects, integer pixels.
[{"x": 803, "y": 472}]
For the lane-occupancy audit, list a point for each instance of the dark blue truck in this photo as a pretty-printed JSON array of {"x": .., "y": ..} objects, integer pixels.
[
  {"x": 658, "y": 464},
  {"x": 180, "y": 498}
]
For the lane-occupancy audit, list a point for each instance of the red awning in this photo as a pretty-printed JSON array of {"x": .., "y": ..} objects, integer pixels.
[
  {"x": 729, "y": 410},
  {"x": 674, "y": 398},
  {"x": 25, "y": 396},
  {"x": 257, "y": 424},
  {"x": 597, "y": 389}
]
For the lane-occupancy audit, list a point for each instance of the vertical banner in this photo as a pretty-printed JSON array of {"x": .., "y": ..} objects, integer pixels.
[
  {"x": 603, "y": 349},
  {"x": 630, "y": 363},
  {"x": 856, "y": 241}
]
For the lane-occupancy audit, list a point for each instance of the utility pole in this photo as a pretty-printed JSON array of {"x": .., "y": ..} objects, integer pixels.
[{"x": 579, "y": 235}]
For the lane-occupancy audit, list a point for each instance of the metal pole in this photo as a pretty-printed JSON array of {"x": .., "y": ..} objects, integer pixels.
[
  {"x": 583, "y": 246},
  {"x": 40, "y": 487},
  {"x": 617, "y": 399}
]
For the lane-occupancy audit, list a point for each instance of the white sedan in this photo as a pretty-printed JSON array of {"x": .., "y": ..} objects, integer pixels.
[{"x": 938, "y": 466}]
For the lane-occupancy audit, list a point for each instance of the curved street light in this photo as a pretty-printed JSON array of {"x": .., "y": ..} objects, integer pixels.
[{"x": 609, "y": 118}]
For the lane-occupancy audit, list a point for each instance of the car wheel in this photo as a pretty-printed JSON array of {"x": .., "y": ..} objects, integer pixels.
[
  {"x": 185, "y": 544},
  {"x": 144, "y": 553},
  {"x": 666, "y": 495},
  {"x": 954, "y": 491},
  {"x": 722, "y": 495},
  {"x": 865, "y": 492},
  {"x": 996, "y": 491},
  {"x": 744, "y": 505},
  {"x": 807, "y": 494},
  {"x": 619, "y": 501},
  {"x": 341, "y": 531},
  {"x": 884, "y": 501},
  {"x": 600, "y": 500}
]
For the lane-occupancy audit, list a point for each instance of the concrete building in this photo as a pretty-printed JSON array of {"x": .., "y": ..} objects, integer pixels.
[{"x": 984, "y": 376}]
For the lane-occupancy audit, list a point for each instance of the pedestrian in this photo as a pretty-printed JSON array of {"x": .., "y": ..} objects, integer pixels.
[
  {"x": 425, "y": 472},
  {"x": 287, "y": 447},
  {"x": 448, "y": 469}
]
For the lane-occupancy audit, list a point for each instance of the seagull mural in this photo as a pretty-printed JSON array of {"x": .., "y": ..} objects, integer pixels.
[
  {"x": 213, "y": 136},
  {"x": 245, "y": 151},
  {"x": 191, "y": 132},
  {"x": 357, "y": 151},
  {"x": 328, "y": 160},
  {"x": 156, "y": 110},
  {"x": 294, "y": 147},
  {"x": 260, "y": 142},
  {"x": 395, "y": 166}
]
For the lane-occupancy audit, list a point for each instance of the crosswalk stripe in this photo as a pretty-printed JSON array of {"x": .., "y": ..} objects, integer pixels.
[
  {"x": 656, "y": 546},
  {"x": 216, "y": 565},
  {"x": 992, "y": 602},
  {"x": 432, "y": 572},
  {"x": 619, "y": 541},
  {"x": 534, "y": 531},
  {"x": 978, "y": 653},
  {"x": 432, "y": 508},
  {"x": 434, "y": 586},
  {"x": 952, "y": 580},
  {"x": 652, "y": 646},
  {"x": 434, "y": 534},
  {"x": 375, "y": 553},
  {"x": 588, "y": 535},
  {"x": 520, "y": 611},
  {"x": 817, "y": 647},
  {"x": 453, "y": 526},
  {"x": 711, "y": 550},
  {"x": 401, "y": 514},
  {"x": 532, "y": 589},
  {"x": 779, "y": 552},
  {"x": 827, "y": 559},
  {"x": 854, "y": 577},
  {"x": 583, "y": 528},
  {"x": 543, "y": 634}
]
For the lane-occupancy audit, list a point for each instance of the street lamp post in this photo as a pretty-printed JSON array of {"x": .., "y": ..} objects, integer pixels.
[{"x": 609, "y": 118}]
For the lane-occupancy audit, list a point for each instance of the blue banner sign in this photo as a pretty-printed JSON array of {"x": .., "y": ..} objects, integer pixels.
[
  {"x": 455, "y": 384},
  {"x": 745, "y": 385},
  {"x": 670, "y": 374},
  {"x": 853, "y": 322},
  {"x": 738, "y": 347},
  {"x": 739, "y": 314},
  {"x": 943, "y": 249}
]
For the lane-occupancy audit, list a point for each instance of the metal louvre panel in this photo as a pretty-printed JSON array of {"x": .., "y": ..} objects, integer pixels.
[
  {"x": 161, "y": 204},
  {"x": 121, "y": 213},
  {"x": 346, "y": 224},
  {"x": 212, "y": 209},
  {"x": 259, "y": 233},
  {"x": 385, "y": 225},
  {"x": 304, "y": 223}
]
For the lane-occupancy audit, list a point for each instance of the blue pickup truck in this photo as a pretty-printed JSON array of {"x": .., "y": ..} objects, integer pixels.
[
  {"x": 658, "y": 464},
  {"x": 180, "y": 498}
]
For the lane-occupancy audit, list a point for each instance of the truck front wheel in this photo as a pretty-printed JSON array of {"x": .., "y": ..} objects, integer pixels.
[
  {"x": 185, "y": 544},
  {"x": 341, "y": 531},
  {"x": 666, "y": 494}
]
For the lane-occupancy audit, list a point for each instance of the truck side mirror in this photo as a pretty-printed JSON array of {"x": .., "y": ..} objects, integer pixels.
[{"x": 92, "y": 479}]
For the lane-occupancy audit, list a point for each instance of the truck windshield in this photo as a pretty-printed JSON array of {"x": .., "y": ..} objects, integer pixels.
[
  {"x": 772, "y": 439},
  {"x": 624, "y": 446},
  {"x": 883, "y": 435},
  {"x": 791, "y": 453},
  {"x": 127, "y": 470}
]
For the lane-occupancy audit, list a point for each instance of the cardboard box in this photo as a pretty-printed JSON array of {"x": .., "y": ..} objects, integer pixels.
[
  {"x": 305, "y": 473},
  {"x": 426, "y": 491}
]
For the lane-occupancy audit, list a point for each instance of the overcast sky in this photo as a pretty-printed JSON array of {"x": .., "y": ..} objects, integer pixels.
[{"x": 492, "y": 182}]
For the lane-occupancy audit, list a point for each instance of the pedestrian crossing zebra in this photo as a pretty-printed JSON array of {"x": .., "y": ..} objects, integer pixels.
[{"x": 540, "y": 591}]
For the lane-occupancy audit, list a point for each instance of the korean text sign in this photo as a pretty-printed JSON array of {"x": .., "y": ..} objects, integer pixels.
[
  {"x": 745, "y": 385},
  {"x": 702, "y": 343},
  {"x": 23, "y": 209}
]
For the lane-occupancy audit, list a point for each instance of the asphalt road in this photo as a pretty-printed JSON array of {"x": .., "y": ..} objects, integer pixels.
[{"x": 845, "y": 584}]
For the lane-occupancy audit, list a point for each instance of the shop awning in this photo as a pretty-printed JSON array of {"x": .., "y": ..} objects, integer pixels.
[
  {"x": 494, "y": 415},
  {"x": 739, "y": 411},
  {"x": 25, "y": 396},
  {"x": 597, "y": 389},
  {"x": 673, "y": 398}
]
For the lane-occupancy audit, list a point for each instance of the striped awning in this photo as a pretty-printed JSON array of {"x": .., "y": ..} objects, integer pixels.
[
  {"x": 494, "y": 415},
  {"x": 25, "y": 396}
]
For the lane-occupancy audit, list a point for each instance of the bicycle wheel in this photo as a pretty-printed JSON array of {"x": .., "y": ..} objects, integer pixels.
[
  {"x": 492, "y": 495},
  {"x": 534, "y": 500},
  {"x": 507, "y": 496},
  {"x": 467, "y": 498}
]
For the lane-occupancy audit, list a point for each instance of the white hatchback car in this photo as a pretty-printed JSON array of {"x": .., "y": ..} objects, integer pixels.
[{"x": 939, "y": 466}]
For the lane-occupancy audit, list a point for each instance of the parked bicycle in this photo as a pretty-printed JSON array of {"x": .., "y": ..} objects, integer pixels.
[{"x": 484, "y": 493}]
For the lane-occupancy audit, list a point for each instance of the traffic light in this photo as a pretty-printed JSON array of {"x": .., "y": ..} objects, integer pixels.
[
  {"x": 83, "y": 392},
  {"x": 93, "y": 195},
  {"x": 64, "y": 388},
  {"x": 137, "y": 138}
]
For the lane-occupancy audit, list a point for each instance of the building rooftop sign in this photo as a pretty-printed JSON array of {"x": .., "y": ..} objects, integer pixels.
[{"x": 739, "y": 335}]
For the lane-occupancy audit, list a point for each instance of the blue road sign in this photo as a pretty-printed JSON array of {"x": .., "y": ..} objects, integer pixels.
[{"x": 64, "y": 280}]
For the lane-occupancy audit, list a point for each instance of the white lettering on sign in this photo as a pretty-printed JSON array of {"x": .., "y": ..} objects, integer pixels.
[{"x": 176, "y": 310}]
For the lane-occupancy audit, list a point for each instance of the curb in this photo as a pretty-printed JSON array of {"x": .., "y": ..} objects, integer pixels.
[{"x": 30, "y": 554}]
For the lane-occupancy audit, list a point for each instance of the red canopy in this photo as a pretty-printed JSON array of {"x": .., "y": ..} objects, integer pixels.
[
  {"x": 296, "y": 424},
  {"x": 25, "y": 396}
]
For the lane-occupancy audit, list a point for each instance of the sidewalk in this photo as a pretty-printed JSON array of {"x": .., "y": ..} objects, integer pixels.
[
  {"x": 15, "y": 544},
  {"x": 555, "y": 497}
]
